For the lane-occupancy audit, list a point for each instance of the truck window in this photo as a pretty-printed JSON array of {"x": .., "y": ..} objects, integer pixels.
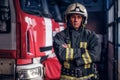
[
  {"x": 46, "y": 11},
  {"x": 32, "y": 6},
  {"x": 4, "y": 16},
  {"x": 54, "y": 10},
  {"x": 35, "y": 7}
]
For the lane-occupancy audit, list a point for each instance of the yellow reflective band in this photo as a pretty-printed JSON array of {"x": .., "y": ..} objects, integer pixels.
[
  {"x": 71, "y": 54},
  {"x": 89, "y": 58},
  {"x": 75, "y": 78},
  {"x": 86, "y": 51},
  {"x": 85, "y": 45},
  {"x": 67, "y": 53},
  {"x": 81, "y": 44},
  {"x": 83, "y": 56},
  {"x": 66, "y": 65},
  {"x": 85, "y": 60},
  {"x": 87, "y": 55},
  {"x": 87, "y": 66},
  {"x": 69, "y": 45}
]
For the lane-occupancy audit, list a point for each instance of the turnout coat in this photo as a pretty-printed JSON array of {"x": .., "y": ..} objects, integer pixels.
[{"x": 83, "y": 51}]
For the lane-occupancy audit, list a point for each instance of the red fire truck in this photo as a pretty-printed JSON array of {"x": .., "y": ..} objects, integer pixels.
[{"x": 26, "y": 31}]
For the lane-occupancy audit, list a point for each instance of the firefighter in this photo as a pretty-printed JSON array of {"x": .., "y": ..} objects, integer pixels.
[{"x": 76, "y": 47}]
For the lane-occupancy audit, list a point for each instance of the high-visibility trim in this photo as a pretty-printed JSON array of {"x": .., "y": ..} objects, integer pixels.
[
  {"x": 85, "y": 45},
  {"x": 71, "y": 54},
  {"x": 67, "y": 53},
  {"x": 82, "y": 45},
  {"x": 87, "y": 66},
  {"x": 85, "y": 60},
  {"x": 75, "y": 78},
  {"x": 69, "y": 45},
  {"x": 66, "y": 65},
  {"x": 90, "y": 60},
  {"x": 86, "y": 57}
]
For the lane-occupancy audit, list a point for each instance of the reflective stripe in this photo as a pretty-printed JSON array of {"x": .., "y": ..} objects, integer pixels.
[
  {"x": 66, "y": 65},
  {"x": 90, "y": 60},
  {"x": 83, "y": 54},
  {"x": 69, "y": 54},
  {"x": 74, "y": 78},
  {"x": 81, "y": 44},
  {"x": 87, "y": 66},
  {"x": 86, "y": 57},
  {"x": 85, "y": 45},
  {"x": 85, "y": 60},
  {"x": 69, "y": 45}
]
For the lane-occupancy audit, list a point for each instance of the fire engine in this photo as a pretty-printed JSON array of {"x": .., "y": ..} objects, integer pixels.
[{"x": 26, "y": 31}]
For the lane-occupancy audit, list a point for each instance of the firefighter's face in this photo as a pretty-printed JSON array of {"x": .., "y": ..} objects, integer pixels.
[{"x": 76, "y": 20}]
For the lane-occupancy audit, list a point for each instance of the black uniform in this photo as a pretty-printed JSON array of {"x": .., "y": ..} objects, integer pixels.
[{"x": 78, "y": 59}]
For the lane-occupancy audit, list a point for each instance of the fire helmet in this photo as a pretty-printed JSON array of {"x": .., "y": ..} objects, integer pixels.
[{"x": 77, "y": 8}]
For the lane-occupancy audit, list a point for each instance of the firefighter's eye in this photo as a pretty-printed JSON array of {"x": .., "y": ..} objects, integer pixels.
[{"x": 76, "y": 16}]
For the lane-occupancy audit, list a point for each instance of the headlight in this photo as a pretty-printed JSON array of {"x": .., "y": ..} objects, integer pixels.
[{"x": 29, "y": 73}]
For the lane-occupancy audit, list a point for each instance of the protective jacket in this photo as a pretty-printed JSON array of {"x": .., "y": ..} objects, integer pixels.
[{"x": 83, "y": 51}]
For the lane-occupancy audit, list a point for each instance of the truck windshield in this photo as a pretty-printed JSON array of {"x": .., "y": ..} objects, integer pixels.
[
  {"x": 31, "y": 6},
  {"x": 54, "y": 9}
]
